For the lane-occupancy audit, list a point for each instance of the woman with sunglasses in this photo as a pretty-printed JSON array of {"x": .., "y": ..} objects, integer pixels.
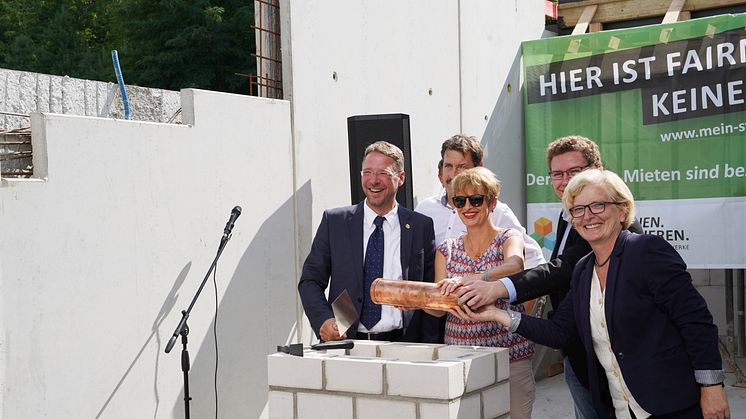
[
  {"x": 485, "y": 247},
  {"x": 651, "y": 343}
]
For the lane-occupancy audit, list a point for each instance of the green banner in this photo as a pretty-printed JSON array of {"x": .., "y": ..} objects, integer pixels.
[
  {"x": 665, "y": 103},
  {"x": 667, "y": 106}
]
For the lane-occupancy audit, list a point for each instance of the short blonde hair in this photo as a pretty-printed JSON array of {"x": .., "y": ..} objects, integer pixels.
[
  {"x": 610, "y": 182},
  {"x": 479, "y": 178}
]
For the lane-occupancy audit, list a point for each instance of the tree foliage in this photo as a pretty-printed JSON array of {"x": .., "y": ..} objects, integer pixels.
[{"x": 169, "y": 44}]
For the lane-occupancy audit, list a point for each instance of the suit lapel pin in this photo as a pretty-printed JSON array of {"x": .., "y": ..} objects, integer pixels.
[{"x": 407, "y": 226}]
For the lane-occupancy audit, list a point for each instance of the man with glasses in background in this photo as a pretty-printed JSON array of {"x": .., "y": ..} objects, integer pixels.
[
  {"x": 566, "y": 157},
  {"x": 354, "y": 245}
]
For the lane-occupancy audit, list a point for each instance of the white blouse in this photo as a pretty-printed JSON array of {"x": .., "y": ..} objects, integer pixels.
[{"x": 620, "y": 394}]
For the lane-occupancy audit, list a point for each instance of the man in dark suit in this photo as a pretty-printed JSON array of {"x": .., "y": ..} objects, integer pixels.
[
  {"x": 566, "y": 157},
  {"x": 355, "y": 245}
]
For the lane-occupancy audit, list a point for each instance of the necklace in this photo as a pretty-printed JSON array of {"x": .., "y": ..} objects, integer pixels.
[
  {"x": 473, "y": 248},
  {"x": 600, "y": 265}
]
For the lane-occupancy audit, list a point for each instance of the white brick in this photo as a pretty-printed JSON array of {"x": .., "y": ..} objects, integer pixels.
[
  {"x": 479, "y": 369},
  {"x": 285, "y": 370},
  {"x": 451, "y": 351},
  {"x": 382, "y": 408},
  {"x": 310, "y": 353},
  {"x": 3, "y": 83},
  {"x": 461, "y": 408},
  {"x": 410, "y": 351},
  {"x": 366, "y": 348},
  {"x": 42, "y": 92},
  {"x": 27, "y": 92},
  {"x": 502, "y": 357},
  {"x": 428, "y": 379},
  {"x": 104, "y": 96},
  {"x": 89, "y": 97},
  {"x": 323, "y": 406},
  {"x": 280, "y": 405},
  {"x": 73, "y": 94},
  {"x": 355, "y": 375},
  {"x": 55, "y": 94},
  {"x": 496, "y": 400}
]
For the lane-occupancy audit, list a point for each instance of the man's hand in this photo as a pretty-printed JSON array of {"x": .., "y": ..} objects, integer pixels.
[
  {"x": 329, "y": 331},
  {"x": 714, "y": 403},
  {"x": 477, "y": 293}
]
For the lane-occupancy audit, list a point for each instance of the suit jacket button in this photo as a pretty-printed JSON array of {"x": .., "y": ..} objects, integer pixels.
[
  {"x": 359, "y": 300},
  {"x": 620, "y": 355}
]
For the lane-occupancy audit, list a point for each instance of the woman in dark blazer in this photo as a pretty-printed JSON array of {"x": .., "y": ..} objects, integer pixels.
[{"x": 652, "y": 345}]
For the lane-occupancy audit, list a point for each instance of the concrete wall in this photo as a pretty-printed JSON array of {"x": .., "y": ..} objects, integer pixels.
[
  {"x": 102, "y": 251},
  {"x": 112, "y": 238},
  {"x": 24, "y": 92}
]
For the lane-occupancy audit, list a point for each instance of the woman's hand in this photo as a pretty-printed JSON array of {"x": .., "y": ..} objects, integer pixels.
[
  {"x": 714, "y": 403},
  {"x": 449, "y": 285},
  {"x": 483, "y": 314}
]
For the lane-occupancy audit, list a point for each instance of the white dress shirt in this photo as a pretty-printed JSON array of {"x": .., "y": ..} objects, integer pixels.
[
  {"x": 391, "y": 317},
  {"x": 569, "y": 227}
]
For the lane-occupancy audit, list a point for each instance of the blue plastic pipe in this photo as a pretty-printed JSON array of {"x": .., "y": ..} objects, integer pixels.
[{"x": 120, "y": 79}]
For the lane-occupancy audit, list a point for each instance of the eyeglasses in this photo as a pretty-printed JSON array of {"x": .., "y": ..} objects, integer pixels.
[
  {"x": 594, "y": 207},
  {"x": 459, "y": 201},
  {"x": 560, "y": 174},
  {"x": 372, "y": 173}
]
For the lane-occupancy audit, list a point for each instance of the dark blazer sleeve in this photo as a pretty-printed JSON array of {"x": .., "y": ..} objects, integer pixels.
[
  {"x": 557, "y": 332},
  {"x": 429, "y": 247},
  {"x": 315, "y": 277},
  {"x": 674, "y": 294},
  {"x": 424, "y": 327},
  {"x": 551, "y": 277},
  {"x": 554, "y": 276}
]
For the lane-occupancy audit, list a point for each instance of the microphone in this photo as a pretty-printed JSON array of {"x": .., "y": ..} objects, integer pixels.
[{"x": 229, "y": 225}]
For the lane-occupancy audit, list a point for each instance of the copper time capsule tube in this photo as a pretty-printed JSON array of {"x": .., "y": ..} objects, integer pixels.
[{"x": 410, "y": 294}]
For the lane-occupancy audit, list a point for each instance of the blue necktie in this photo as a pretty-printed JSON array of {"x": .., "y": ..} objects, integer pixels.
[{"x": 372, "y": 269}]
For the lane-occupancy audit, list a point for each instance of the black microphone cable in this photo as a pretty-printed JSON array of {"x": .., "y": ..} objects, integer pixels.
[{"x": 215, "y": 335}]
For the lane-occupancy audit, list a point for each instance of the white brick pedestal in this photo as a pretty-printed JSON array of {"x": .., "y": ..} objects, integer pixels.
[{"x": 390, "y": 380}]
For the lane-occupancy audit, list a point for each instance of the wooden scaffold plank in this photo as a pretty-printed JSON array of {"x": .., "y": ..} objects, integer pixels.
[
  {"x": 621, "y": 10},
  {"x": 585, "y": 19},
  {"x": 674, "y": 11}
]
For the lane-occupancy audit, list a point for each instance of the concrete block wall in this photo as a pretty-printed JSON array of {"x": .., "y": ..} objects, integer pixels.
[
  {"x": 25, "y": 92},
  {"x": 406, "y": 381}
]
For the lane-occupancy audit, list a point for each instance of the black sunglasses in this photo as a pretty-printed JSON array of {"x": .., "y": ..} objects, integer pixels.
[{"x": 475, "y": 200}]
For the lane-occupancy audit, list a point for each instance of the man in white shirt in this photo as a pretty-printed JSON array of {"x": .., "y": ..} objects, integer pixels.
[{"x": 459, "y": 153}]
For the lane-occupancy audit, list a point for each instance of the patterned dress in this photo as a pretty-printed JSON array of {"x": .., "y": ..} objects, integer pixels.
[{"x": 468, "y": 332}]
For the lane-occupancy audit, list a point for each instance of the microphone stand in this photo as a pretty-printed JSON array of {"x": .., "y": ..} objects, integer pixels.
[{"x": 183, "y": 329}]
